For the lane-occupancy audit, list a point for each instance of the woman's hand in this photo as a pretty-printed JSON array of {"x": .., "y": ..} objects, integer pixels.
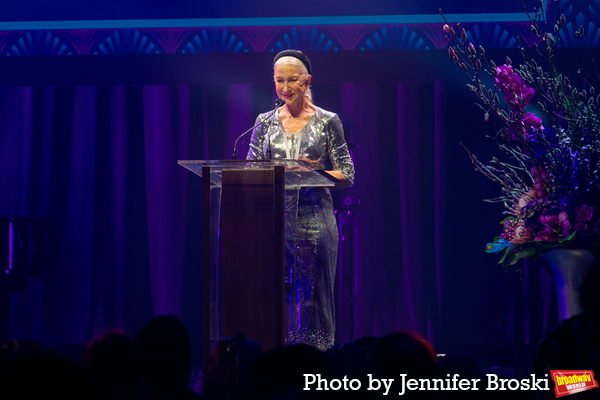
[
  {"x": 342, "y": 182},
  {"x": 309, "y": 163}
]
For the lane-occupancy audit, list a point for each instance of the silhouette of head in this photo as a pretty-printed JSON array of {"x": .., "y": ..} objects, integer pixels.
[{"x": 165, "y": 352}]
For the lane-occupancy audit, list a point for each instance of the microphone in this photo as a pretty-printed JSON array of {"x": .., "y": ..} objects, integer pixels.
[{"x": 278, "y": 103}]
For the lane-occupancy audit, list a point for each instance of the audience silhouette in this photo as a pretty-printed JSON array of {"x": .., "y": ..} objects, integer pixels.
[
  {"x": 111, "y": 366},
  {"x": 29, "y": 371},
  {"x": 156, "y": 363},
  {"x": 228, "y": 373},
  {"x": 165, "y": 353}
]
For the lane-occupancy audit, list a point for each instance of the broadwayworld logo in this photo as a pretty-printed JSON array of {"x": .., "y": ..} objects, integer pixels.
[{"x": 569, "y": 382}]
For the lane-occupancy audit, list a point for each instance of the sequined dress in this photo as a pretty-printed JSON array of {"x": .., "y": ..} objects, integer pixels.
[{"x": 310, "y": 305}]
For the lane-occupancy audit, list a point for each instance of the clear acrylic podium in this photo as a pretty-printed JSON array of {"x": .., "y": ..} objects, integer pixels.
[{"x": 249, "y": 211}]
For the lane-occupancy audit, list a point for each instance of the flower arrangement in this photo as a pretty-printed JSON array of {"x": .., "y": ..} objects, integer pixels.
[{"x": 551, "y": 176}]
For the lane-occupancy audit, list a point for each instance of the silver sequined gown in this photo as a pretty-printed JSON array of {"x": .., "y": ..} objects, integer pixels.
[{"x": 310, "y": 305}]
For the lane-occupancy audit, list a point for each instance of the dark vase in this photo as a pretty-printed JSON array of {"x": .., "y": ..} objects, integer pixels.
[{"x": 569, "y": 268}]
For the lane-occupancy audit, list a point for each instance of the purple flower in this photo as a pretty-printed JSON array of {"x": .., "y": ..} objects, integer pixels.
[
  {"x": 566, "y": 228},
  {"x": 532, "y": 123},
  {"x": 472, "y": 49},
  {"x": 584, "y": 215},
  {"x": 539, "y": 173},
  {"x": 563, "y": 220},
  {"x": 564, "y": 202},
  {"x": 516, "y": 92},
  {"x": 526, "y": 94},
  {"x": 539, "y": 182},
  {"x": 546, "y": 235},
  {"x": 504, "y": 74},
  {"x": 554, "y": 227},
  {"x": 549, "y": 221},
  {"x": 562, "y": 217},
  {"x": 453, "y": 55}
]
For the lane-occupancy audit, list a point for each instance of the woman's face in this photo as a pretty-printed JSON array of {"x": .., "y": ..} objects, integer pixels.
[{"x": 289, "y": 84}]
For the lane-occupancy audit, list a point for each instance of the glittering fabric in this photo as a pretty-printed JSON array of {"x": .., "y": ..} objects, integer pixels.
[{"x": 311, "y": 272}]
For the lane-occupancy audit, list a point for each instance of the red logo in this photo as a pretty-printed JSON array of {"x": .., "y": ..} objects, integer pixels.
[{"x": 569, "y": 382}]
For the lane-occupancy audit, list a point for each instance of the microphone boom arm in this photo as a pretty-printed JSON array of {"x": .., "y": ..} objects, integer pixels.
[{"x": 278, "y": 103}]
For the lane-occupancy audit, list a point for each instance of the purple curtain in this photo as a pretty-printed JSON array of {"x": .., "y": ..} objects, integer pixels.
[
  {"x": 129, "y": 220},
  {"x": 400, "y": 180},
  {"x": 103, "y": 161}
]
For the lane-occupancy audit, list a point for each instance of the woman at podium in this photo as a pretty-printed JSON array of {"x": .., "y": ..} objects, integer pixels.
[{"x": 320, "y": 136}]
